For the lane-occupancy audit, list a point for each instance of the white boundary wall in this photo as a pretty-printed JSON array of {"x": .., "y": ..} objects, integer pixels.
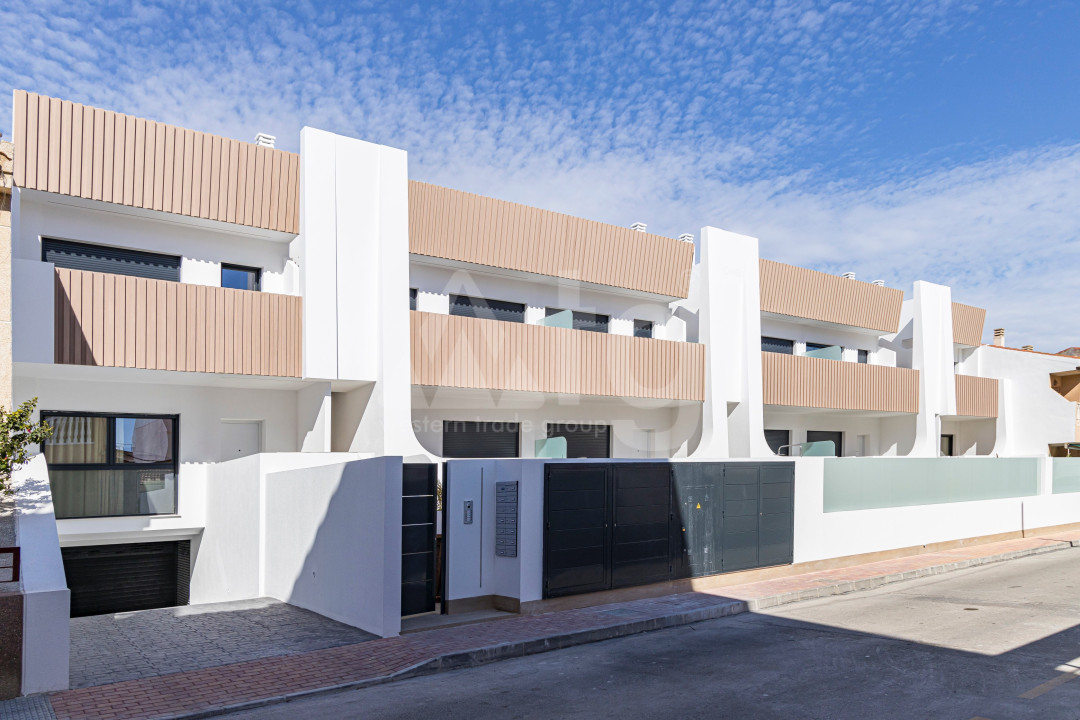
[
  {"x": 475, "y": 571},
  {"x": 46, "y": 599},
  {"x": 320, "y": 531}
]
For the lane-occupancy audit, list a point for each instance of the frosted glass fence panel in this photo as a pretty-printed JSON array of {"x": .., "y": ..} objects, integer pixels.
[
  {"x": 1066, "y": 475},
  {"x": 866, "y": 483}
]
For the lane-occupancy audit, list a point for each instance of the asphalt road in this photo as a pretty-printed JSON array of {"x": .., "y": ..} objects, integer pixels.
[{"x": 999, "y": 641}]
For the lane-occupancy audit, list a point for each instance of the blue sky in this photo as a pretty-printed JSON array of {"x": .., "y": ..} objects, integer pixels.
[{"x": 903, "y": 140}]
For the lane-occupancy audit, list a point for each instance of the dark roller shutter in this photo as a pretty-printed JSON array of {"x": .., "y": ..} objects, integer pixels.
[
  {"x": 583, "y": 441},
  {"x": 118, "y": 261},
  {"x": 121, "y": 578},
  {"x": 777, "y": 345},
  {"x": 480, "y": 439},
  {"x": 823, "y": 435},
  {"x": 487, "y": 309}
]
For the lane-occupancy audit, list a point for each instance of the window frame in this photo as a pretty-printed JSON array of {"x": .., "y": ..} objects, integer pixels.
[
  {"x": 413, "y": 295},
  {"x": 242, "y": 268},
  {"x": 110, "y": 452},
  {"x": 641, "y": 324},
  {"x": 862, "y": 357}
]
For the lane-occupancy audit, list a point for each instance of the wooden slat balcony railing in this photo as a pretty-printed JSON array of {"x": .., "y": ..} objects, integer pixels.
[
  {"x": 456, "y": 225},
  {"x": 967, "y": 324},
  {"x": 86, "y": 152},
  {"x": 808, "y": 382},
  {"x": 462, "y": 352},
  {"x": 976, "y": 396},
  {"x": 119, "y": 321},
  {"x": 804, "y": 293}
]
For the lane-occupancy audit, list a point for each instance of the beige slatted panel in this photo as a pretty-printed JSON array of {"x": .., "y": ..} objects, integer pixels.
[
  {"x": 976, "y": 396},
  {"x": 799, "y": 381},
  {"x": 801, "y": 292},
  {"x": 121, "y": 321},
  {"x": 71, "y": 149},
  {"x": 967, "y": 324},
  {"x": 453, "y": 351},
  {"x": 456, "y": 225}
]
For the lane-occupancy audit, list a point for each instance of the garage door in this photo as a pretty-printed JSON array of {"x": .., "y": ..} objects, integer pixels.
[
  {"x": 480, "y": 439},
  {"x": 121, "y": 578}
]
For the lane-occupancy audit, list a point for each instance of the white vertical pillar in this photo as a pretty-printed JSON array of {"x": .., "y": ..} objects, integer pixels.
[{"x": 932, "y": 356}]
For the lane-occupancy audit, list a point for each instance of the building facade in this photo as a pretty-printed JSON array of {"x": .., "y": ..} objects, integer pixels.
[{"x": 185, "y": 305}]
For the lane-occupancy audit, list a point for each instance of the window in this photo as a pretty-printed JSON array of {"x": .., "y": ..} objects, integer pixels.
[
  {"x": 583, "y": 441},
  {"x": 810, "y": 347},
  {"x": 118, "y": 261},
  {"x": 864, "y": 356},
  {"x": 239, "y": 277},
  {"x": 643, "y": 328},
  {"x": 487, "y": 309},
  {"x": 777, "y": 345},
  {"x": 104, "y": 465},
  {"x": 412, "y": 298},
  {"x": 590, "y": 322}
]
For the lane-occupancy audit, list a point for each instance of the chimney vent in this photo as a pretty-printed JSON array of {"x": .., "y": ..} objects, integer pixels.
[
  {"x": 849, "y": 276},
  {"x": 687, "y": 237},
  {"x": 638, "y": 226},
  {"x": 999, "y": 337},
  {"x": 1029, "y": 348},
  {"x": 264, "y": 140},
  {"x": 879, "y": 283}
]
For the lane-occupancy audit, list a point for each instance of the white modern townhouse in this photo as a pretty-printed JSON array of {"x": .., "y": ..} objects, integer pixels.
[{"x": 286, "y": 375}]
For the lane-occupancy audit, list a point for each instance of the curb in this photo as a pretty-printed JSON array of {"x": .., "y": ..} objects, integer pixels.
[{"x": 506, "y": 651}]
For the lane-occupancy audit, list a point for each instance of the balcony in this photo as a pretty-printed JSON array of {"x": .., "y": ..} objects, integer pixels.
[
  {"x": 463, "y": 352},
  {"x": 976, "y": 396},
  {"x": 798, "y": 292},
  {"x": 119, "y": 321},
  {"x": 809, "y": 382}
]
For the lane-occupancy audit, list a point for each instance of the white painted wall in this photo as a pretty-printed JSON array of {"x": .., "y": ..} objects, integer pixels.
[
  {"x": 333, "y": 544},
  {"x": 203, "y": 245},
  {"x": 671, "y": 423},
  {"x": 228, "y": 559},
  {"x": 1032, "y": 415},
  {"x": 850, "y": 340},
  {"x": 932, "y": 356},
  {"x": 436, "y": 282},
  {"x": 32, "y": 295},
  {"x": 820, "y": 535},
  {"x": 46, "y": 599}
]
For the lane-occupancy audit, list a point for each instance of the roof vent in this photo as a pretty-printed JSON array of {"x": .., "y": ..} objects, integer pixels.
[
  {"x": 264, "y": 140},
  {"x": 879, "y": 283},
  {"x": 1029, "y": 348},
  {"x": 849, "y": 276},
  {"x": 638, "y": 226},
  {"x": 999, "y": 337},
  {"x": 687, "y": 237}
]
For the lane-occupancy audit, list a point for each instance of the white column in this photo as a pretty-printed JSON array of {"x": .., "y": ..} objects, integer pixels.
[{"x": 932, "y": 356}]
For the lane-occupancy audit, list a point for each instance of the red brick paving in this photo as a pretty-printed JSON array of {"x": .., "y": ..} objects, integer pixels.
[{"x": 204, "y": 690}]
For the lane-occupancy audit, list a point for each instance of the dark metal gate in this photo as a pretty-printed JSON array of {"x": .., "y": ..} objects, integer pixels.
[
  {"x": 609, "y": 525},
  {"x": 418, "y": 487}
]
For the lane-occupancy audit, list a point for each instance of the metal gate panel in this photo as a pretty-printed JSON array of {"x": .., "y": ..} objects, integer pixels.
[
  {"x": 576, "y": 518},
  {"x": 740, "y": 536},
  {"x": 777, "y": 523},
  {"x": 641, "y": 532},
  {"x": 418, "y": 503},
  {"x": 697, "y": 490}
]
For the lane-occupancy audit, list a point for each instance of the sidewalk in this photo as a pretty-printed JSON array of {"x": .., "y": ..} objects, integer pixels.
[{"x": 207, "y": 692}]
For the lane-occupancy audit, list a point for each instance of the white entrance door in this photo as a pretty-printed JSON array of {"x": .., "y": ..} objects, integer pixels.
[{"x": 239, "y": 439}]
